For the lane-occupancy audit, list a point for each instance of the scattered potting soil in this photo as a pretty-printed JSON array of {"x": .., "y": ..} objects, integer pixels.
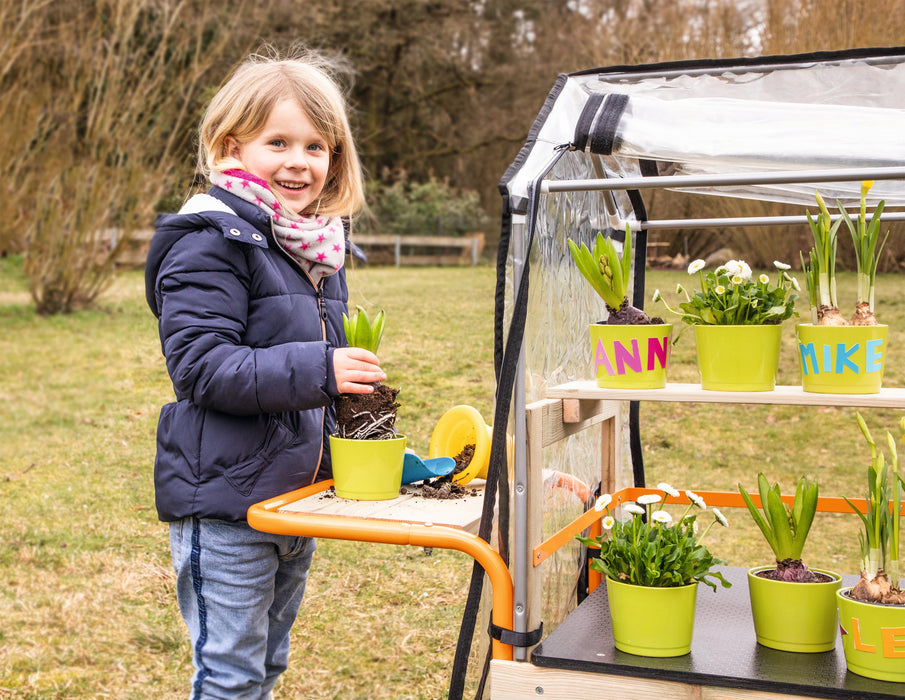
[{"x": 444, "y": 487}]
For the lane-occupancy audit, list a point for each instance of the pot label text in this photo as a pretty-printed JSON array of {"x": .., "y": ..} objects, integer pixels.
[
  {"x": 892, "y": 640},
  {"x": 623, "y": 358},
  {"x": 838, "y": 358}
]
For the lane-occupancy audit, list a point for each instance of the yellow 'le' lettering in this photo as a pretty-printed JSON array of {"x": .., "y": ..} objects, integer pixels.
[
  {"x": 893, "y": 648},
  {"x": 856, "y": 638}
]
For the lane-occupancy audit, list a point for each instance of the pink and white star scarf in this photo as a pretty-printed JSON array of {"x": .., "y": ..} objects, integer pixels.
[{"x": 317, "y": 242}]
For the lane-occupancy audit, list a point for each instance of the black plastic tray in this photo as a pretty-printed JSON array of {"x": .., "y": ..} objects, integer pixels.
[{"x": 724, "y": 651}]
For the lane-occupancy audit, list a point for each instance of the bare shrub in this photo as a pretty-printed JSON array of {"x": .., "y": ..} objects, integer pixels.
[{"x": 114, "y": 85}]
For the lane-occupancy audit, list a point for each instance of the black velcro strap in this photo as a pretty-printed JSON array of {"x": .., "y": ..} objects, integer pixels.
[
  {"x": 586, "y": 121},
  {"x": 517, "y": 639},
  {"x": 603, "y": 135}
]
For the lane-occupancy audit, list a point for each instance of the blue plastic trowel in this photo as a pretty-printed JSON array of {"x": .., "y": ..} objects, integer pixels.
[{"x": 416, "y": 469}]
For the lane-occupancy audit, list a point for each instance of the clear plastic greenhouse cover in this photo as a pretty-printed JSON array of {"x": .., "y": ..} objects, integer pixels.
[
  {"x": 715, "y": 118},
  {"x": 691, "y": 119}
]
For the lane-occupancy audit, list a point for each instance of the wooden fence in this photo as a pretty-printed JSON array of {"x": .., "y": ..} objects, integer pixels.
[
  {"x": 450, "y": 250},
  {"x": 380, "y": 248}
]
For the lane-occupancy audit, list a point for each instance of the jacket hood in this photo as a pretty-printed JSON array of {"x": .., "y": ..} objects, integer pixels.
[{"x": 218, "y": 210}]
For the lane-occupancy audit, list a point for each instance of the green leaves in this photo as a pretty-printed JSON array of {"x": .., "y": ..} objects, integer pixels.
[
  {"x": 647, "y": 554},
  {"x": 822, "y": 270},
  {"x": 879, "y": 538},
  {"x": 730, "y": 296},
  {"x": 603, "y": 267},
  {"x": 785, "y": 529},
  {"x": 361, "y": 332},
  {"x": 866, "y": 238}
]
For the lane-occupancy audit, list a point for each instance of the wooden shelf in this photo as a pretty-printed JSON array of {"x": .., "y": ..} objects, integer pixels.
[{"x": 691, "y": 393}]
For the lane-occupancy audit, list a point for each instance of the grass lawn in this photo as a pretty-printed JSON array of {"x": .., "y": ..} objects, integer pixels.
[{"x": 87, "y": 606}]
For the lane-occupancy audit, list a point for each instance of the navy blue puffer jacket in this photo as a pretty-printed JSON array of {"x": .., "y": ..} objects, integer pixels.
[{"x": 248, "y": 340}]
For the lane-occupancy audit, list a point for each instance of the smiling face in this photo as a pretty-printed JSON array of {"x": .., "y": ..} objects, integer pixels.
[{"x": 289, "y": 154}]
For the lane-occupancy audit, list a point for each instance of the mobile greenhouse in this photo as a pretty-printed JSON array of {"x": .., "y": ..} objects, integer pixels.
[{"x": 770, "y": 129}]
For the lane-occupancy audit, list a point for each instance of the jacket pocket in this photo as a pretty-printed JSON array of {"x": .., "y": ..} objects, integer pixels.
[{"x": 243, "y": 475}]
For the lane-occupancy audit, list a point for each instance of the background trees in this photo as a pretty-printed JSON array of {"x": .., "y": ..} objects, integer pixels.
[{"x": 100, "y": 98}]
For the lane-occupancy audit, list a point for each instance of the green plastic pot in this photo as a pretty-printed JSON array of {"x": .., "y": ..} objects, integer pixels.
[
  {"x": 738, "y": 358},
  {"x": 841, "y": 359},
  {"x": 794, "y": 616},
  {"x": 367, "y": 470},
  {"x": 630, "y": 357},
  {"x": 650, "y": 621},
  {"x": 873, "y": 638}
]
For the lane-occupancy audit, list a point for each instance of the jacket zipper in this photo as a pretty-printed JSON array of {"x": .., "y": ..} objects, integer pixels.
[{"x": 322, "y": 314}]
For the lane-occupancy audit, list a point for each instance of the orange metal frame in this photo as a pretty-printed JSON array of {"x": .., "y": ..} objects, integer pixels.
[
  {"x": 723, "y": 499},
  {"x": 265, "y": 516}
]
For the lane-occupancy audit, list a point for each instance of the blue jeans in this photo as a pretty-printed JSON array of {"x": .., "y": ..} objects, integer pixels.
[{"x": 239, "y": 591}]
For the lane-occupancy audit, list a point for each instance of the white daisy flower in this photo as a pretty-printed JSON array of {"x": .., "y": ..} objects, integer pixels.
[
  {"x": 633, "y": 508},
  {"x": 649, "y": 499},
  {"x": 656, "y": 296},
  {"x": 602, "y": 502},
  {"x": 661, "y": 517},
  {"x": 608, "y": 522},
  {"x": 720, "y": 518},
  {"x": 663, "y": 486},
  {"x": 695, "y": 266},
  {"x": 697, "y": 500},
  {"x": 737, "y": 268},
  {"x": 781, "y": 265},
  {"x": 764, "y": 279}
]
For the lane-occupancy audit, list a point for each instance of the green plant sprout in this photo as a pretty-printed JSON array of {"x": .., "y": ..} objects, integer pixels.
[
  {"x": 361, "y": 332},
  {"x": 608, "y": 273},
  {"x": 865, "y": 236},
  {"x": 785, "y": 529},
  {"x": 879, "y": 538},
  {"x": 820, "y": 270}
]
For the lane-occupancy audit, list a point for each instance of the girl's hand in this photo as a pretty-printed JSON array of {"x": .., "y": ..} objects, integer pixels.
[{"x": 356, "y": 370}]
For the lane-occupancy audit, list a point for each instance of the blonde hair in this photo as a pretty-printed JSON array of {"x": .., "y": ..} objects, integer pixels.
[{"x": 244, "y": 102}]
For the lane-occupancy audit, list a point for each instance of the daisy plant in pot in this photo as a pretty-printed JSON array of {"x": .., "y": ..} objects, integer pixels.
[
  {"x": 839, "y": 355},
  {"x": 653, "y": 562},
  {"x": 794, "y": 607},
  {"x": 872, "y": 612},
  {"x": 366, "y": 451},
  {"x": 631, "y": 349},
  {"x": 737, "y": 321}
]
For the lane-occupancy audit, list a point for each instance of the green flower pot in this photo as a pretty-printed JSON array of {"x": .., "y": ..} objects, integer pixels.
[
  {"x": 841, "y": 359},
  {"x": 631, "y": 357},
  {"x": 794, "y": 616},
  {"x": 738, "y": 358},
  {"x": 873, "y": 638},
  {"x": 367, "y": 470},
  {"x": 650, "y": 621}
]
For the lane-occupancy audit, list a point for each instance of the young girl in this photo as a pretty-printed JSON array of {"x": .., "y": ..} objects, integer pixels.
[{"x": 248, "y": 284}]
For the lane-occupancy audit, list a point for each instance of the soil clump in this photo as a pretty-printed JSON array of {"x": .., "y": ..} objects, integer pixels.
[{"x": 367, "y": 416}]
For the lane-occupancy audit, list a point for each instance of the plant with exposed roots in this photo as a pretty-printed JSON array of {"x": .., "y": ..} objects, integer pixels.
[{"x": 366, "y": 416}]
